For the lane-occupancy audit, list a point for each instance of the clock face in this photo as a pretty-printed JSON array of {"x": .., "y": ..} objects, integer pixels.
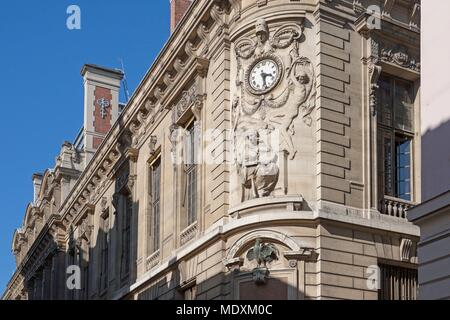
[{"x": 264, "y": 75}]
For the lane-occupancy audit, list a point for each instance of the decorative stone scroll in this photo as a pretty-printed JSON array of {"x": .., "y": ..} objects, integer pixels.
[{"x": 190, "y": 100}]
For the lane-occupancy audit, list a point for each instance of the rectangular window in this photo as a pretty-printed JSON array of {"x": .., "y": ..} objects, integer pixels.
[
  {"x": 403, "y": 168},
  {"x": 104, "y": 258},
  {"x": 126, "y": 236},
  {"x": 190, "y": 293},
  {"x": 397, "y": 283},
  {"x": 191, "y": 174},
  {"x": 156, "y": 203},
  {"x": 83, "y": 262},
  {"x": 395, "y": 127}
]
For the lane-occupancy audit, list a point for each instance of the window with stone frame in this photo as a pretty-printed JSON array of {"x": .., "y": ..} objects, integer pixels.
[
  {"x": 395, "y": 137},
  {"x": 70, "y": 294},
  {"x": 397, "y": 283},
  {"x": 187, "y": 293},
  {"x": 154, "y": 222},
  {"x": 190, "y": 173},
  {"x": 126, "y": 218},
  {"x": 82, "y": 254},
  {"x": 104, "y": 254}
]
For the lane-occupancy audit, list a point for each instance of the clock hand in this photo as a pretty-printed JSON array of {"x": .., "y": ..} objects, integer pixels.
[{"x": 264, "y": 77}]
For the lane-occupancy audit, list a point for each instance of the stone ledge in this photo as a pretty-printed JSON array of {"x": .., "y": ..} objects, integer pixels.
[
  {"x": 227, "y": 226},
  {"x": 289, "y": 203}
]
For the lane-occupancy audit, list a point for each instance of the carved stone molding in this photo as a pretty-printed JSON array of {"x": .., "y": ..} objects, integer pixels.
[
  {"x": 153, "y": 260},
  {"x": 189, "y": 99},
  {"x": 188, "y": 234},
  {"x": 152, "y": 145},
  {"x": 399, "y": 55},
  {"x": 304, "y": 254},
  {"x": 387, "y": 8},
  {"x": 234, "y": 264},
  {"x": 266, "y": 235},
  {"x": 405, "y": 249},
  {"x": 122, "y": 179},
  {"x": 374, "y": 74}
]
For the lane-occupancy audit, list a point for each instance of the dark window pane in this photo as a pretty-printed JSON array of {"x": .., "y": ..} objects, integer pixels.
[
  {"x": 385, "y": 101},
  {"x": 156, "y": 203},
  {"x": 403, "y": 106}
]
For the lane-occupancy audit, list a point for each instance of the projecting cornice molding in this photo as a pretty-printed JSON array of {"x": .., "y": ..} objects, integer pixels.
[
  {"x": 384, "y": 48},
  {"x": 170, "y": 72}
]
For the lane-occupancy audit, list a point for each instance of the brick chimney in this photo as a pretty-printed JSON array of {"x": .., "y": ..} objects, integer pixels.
[
  {"x": 177, "y": 10},
  {"x": 101, "y": 105}
]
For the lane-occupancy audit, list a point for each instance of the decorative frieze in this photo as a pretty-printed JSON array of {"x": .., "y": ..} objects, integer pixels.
[{"x": 399, "y": 55}]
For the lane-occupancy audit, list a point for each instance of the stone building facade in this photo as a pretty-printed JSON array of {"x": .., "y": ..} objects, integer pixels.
[{"x": 271, "y": 152}]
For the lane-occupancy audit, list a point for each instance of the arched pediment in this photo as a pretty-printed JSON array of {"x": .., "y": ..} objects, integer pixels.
[
  {"x": 28, "y": 215},
  {"x": 16, "y": 243},
  {"x": 248, "y": 240},
  {"x": 46, "y": 182}
]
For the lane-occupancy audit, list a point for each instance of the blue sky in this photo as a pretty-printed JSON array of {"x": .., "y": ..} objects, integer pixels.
[{"x": 41, "y": 93}]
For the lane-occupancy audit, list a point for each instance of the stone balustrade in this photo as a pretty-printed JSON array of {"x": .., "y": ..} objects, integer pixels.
[{"x": 395, "y": 207}]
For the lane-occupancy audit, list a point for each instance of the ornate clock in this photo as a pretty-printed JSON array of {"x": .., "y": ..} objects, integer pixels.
[{"x": 264, "y": 74}]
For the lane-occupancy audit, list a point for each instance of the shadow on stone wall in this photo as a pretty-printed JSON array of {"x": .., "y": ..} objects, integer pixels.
[
  {"x": 46, "y": 271},
  {"x": 223, "y": 286},
  {"x": 436, "y": 161}
]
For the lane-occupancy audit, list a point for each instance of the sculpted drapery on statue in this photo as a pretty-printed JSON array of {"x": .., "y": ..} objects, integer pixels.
[{"x": 275, "y": 84}]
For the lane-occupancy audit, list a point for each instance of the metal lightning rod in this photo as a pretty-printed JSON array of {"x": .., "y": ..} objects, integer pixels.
[{"x": 125, "y": 83}]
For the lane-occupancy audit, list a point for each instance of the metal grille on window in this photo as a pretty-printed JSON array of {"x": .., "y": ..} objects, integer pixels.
[{"x": 397, "y": 283}]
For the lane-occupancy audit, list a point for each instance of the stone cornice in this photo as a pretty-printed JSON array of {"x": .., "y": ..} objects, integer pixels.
[
  {"x": 161, "y": 77},
  {"x": 50, "y": 231}
]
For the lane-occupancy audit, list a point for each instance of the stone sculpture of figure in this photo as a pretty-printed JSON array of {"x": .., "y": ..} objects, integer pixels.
[
  {"x": 257, "y": 166},
  {"x": 301, "y": 81},
  {"x": 262, "y": 37}
]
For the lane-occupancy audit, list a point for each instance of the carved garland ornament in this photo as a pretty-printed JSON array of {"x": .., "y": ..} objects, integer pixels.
[{"x": 400, "y": 56}]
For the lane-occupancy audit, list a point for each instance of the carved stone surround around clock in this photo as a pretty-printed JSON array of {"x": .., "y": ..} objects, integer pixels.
[{"x": 275, "y": 84}]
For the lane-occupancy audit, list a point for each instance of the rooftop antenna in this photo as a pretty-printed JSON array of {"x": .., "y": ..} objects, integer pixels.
[{"x": 125, "y": 83}]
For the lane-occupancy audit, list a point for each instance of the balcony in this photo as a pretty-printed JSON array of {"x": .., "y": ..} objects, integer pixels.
[
  {"x": 189, "y": 233},
  {"x": 395, "y": 207}
]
